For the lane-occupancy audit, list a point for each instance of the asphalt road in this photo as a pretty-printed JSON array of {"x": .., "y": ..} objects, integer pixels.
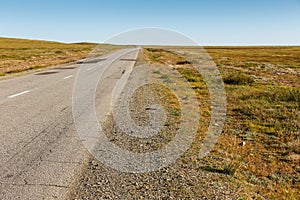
[{"x": 40, "y": 151}]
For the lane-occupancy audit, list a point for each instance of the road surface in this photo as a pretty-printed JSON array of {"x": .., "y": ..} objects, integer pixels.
[{"x": 40, "y": 151}]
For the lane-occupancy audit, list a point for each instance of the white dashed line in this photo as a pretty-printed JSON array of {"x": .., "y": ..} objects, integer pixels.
[
  {"x": 89, "y": 68},
  {"x": 68, "y": 77},
  {"x": 18, "y": 94}
]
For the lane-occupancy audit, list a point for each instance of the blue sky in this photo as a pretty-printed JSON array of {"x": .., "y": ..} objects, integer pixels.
[{"x": 215, "y": 22}]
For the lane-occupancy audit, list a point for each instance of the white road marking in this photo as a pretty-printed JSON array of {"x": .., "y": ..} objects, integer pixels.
[
  {"x": 68, "y": 77},
  {"x": 18, "y": 94}
]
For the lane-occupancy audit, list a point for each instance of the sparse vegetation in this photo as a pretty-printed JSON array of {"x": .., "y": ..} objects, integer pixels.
[
  {"x": 18, "y": 55},
  {"x": 256, "y": 157},
  {"x": 260, "y": 143},
  {"x": 154, "y": 55}
]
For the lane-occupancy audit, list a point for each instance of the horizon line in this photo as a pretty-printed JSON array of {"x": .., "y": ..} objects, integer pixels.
[{"x": 103, "y": 42}]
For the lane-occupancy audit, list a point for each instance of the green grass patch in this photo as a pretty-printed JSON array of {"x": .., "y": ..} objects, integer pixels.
[{"x": 238, "y": 78}]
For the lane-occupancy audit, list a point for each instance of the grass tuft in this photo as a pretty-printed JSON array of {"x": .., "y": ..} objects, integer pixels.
[{"x": 238, "y": 78}]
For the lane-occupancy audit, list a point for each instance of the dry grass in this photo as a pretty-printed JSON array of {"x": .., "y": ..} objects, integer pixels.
[
  {"x": 17, "y": 55},
  {"x": 253, "y": 56},
  {"x": 270, "y": 65},
  {"x": 260, "y": 143}
]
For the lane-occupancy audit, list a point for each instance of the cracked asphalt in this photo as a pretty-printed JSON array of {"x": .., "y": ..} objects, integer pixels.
[{"x": 41, "y": 154}]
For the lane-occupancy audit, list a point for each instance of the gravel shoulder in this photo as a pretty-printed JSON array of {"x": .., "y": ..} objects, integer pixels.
[{"x": 187, "y": 178}]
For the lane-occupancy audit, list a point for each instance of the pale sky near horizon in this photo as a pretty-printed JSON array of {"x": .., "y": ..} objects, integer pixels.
[{"x": 208, "y": 22}]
